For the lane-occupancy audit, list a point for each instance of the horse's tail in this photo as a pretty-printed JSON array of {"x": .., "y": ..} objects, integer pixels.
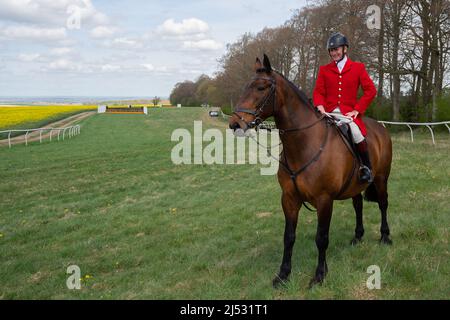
[{"x": 371, "y": 193}]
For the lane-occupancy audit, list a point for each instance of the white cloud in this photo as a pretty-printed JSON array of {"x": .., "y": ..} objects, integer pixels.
[
  {"x": 156, "y": 70},
  {"x": 125, "y": 43},
  {"x": 19, "y": 10},
  {"x": 148, "y": 66},
  {"x": 60, "y": 51},
  {"x": 186, "y": 27},
  {"x": 62, "y": 65},
  {"x": 32, "y": 33},
  {"x": 191, "y": 72},
  {"x": 162, "y": 69},
  {"x": 207, "y": 44},
  {"x": 90, "y": 14},
  {"x": 103, "y": 32},
  {"x": 65, "y": 65},
  {"x": 191, "y": 34},
  {"x": 110, "y": 68},
  {"x": 28, "y": 57},
  {"x": 50, "y": 12}
]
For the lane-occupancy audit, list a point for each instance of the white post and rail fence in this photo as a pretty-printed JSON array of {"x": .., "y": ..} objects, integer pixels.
[
  {"x": 429, "y": 125},
  {"x": 69, "y": 131}
]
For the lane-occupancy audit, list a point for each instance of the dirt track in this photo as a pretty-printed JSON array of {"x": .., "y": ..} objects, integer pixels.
[{"x": 34, "y": 136}]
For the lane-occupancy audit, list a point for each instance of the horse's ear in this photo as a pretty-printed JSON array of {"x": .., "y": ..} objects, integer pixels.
[
  {"x": 258, "y": 64},
  {"x": 266, "y": 64}
]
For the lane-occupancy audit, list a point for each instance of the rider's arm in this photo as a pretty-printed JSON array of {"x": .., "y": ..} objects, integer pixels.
[
  {"x": 369, "y": 91},
  {"x": 321, "y": 108},
  {"x": 319, "y": 93}
]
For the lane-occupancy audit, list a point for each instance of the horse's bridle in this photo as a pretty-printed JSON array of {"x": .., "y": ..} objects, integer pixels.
[{"x": 260, "y": 107}]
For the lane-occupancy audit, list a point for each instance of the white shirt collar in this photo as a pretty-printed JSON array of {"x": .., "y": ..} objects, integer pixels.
[{"x": 341, "y": 64}]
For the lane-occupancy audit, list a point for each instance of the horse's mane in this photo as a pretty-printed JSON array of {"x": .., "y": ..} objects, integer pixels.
[{"x": 302, "y": 96}]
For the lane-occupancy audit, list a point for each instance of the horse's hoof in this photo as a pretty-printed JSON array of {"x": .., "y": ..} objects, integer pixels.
[
  {"x": 355, "y": 241},
  {"x": 279, "y": 282},
  {"x": 319, "y": 277},
  {"x": 385, "y": 240},
  {"x": 315, "y": 281}
]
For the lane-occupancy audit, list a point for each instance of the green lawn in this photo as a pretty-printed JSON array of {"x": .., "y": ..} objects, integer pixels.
[{"x": 139, "y": 227}]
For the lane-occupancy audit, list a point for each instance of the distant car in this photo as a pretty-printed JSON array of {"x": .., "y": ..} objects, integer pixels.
[{"x": 213, "y": 113}]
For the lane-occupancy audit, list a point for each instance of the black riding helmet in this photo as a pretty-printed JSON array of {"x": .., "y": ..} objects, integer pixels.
[{"x": 337, "y": 40}]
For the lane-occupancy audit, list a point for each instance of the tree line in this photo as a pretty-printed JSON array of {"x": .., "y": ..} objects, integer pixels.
[{"x": 406, "y": 50}]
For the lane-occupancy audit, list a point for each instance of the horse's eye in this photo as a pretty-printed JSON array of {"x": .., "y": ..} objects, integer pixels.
[{"x": 261, "y": 88}]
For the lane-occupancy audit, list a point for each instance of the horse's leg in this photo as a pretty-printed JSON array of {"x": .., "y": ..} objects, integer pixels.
[
  {"x": 359, "y": 230},
  {"x": 381, "y": 187},
  {"x": 291, "y": 205},
  {"x": 324, "y": 212}
]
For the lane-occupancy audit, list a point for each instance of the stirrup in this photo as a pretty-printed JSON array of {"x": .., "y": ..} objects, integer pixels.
[{"x": 368, "y": 171}]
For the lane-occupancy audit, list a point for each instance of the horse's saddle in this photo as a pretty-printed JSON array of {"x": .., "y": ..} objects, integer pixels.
[{"x": 346, "y": 134}]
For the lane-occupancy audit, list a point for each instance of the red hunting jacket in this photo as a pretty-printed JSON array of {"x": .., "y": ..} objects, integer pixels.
[{"x": 334, "y": 89}]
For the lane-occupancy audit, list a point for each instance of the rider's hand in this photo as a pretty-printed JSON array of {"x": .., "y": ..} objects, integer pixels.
[
  {"x": 321, "y": 109},
  {"x": 352, "y": 114}
]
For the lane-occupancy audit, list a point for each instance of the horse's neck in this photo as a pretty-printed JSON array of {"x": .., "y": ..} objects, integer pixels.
[{"x": 295, "y": 114}]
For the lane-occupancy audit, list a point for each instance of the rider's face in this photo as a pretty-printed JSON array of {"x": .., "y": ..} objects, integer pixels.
[{"x": 337, "y": 53}]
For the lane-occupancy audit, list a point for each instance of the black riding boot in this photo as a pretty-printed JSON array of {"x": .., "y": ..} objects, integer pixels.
[{"x": 365, "y": 174}]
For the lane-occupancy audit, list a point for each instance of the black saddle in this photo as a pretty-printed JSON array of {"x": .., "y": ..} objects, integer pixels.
[{"x": 346, "y": 135}]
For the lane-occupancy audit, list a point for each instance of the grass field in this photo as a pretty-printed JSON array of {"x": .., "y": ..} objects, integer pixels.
[{"x": 111, "y": 201}]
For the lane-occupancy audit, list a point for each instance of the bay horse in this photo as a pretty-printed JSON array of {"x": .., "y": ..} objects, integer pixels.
[{"x": 316, "y": 165}]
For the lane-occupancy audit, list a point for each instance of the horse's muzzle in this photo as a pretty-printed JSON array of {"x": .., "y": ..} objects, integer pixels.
[
  {"x": 234, "y": 126},
  {"x": 237, "y": 123}
]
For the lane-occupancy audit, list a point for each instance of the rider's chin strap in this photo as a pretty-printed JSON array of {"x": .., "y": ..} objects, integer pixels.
[{"x": 343, "y": 57}]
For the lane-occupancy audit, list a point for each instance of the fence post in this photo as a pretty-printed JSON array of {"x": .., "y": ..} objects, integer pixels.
[
  {"x": 9, "y": 139},
  {"x": 412, "y": 135},
  {"x": 432, "y": 135}
]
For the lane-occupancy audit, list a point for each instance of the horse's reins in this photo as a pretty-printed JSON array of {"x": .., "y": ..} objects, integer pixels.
[{"x": 258, "y": 120}]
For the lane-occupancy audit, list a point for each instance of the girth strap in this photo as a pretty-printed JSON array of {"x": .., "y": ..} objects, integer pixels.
[{"x": 294, "y": 174}]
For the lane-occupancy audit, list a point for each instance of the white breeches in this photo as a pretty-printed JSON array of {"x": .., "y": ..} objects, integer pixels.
[{"x": 356, "y": 132}]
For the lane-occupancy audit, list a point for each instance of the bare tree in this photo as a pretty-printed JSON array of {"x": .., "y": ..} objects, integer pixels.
[
  {"x": 156, "y": 100},
  {"x": 408, "y": 56}
]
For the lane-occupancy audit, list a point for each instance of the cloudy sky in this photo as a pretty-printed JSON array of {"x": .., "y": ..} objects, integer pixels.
[{"x": 121, "y": 48}]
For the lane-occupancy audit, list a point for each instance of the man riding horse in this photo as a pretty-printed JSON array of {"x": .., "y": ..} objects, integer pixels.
[
  {"x": 336, "y": 92},
  {"x": 315, "y": 165}
]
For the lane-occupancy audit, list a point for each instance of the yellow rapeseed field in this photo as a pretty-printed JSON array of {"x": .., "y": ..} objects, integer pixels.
[{"x": 15, "y": 115}]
